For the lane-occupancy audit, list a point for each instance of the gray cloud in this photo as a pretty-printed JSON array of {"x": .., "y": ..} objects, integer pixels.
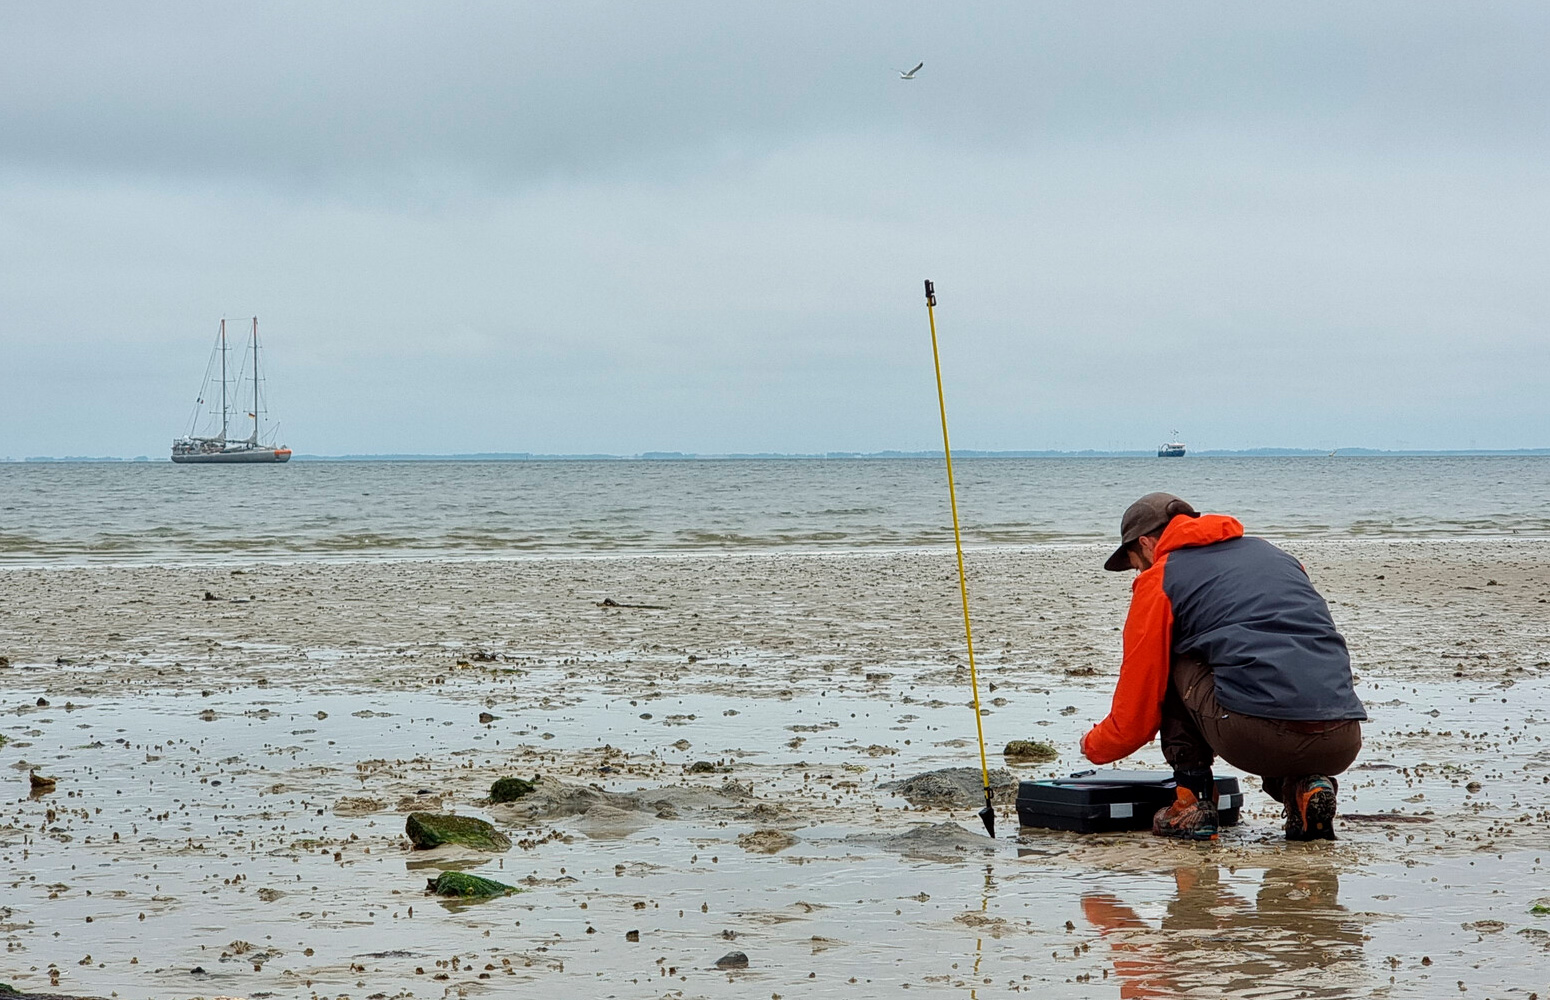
[{"x": 703, "y": 226}]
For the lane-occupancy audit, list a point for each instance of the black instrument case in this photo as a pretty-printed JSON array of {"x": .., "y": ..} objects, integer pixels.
[{"x": 1099, "y": 801}]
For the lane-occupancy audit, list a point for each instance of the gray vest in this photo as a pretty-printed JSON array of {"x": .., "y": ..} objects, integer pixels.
[{"x": 1248, "y": 610}]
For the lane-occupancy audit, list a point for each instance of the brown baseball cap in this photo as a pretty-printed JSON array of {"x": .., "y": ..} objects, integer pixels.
[{"x": 1147, "y": 516}]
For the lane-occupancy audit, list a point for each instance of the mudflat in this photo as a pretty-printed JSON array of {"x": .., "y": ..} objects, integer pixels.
[{"x": 236, "y": 749}]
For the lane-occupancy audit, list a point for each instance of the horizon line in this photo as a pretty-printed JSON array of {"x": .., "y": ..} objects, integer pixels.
[{"x": 648, "y": 456}]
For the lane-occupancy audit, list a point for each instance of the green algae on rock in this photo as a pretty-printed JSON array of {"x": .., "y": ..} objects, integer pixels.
[
  {"x": 466, "y": 886},
  {"x": 509, "y": 789},
  {"x": 1035, "y": 751},
  {"x": 426, "y": 830}
]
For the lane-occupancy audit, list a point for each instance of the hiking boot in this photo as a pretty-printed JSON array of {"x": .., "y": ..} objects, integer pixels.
[
  {"x": 1309, "y": 803},
  {"x": 1188, "y": 817}
]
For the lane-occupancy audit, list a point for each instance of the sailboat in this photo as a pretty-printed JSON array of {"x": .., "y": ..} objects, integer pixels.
[{"x": 211, "y": 447}]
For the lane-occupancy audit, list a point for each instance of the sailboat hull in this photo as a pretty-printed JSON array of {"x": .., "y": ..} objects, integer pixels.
[{"x": 244, "y": 456}]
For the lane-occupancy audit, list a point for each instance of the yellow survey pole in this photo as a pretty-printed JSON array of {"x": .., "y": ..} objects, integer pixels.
[{"x": 987, "y": 814}]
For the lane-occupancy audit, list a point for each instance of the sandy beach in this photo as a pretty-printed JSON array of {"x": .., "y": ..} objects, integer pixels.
[{"x": 236, "y": 747}]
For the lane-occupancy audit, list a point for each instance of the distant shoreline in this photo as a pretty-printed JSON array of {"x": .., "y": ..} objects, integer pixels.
[{"x": 672, "y": 456}]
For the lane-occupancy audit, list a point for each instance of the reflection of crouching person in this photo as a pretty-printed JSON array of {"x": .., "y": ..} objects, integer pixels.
[{"x": 1230, "y": 652}]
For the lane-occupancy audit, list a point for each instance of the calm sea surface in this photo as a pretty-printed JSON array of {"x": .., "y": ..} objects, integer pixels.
[{"x": 57, "y": 514}]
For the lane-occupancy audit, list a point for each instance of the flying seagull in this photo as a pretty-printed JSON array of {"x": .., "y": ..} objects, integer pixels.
[{"x": 910, "y": 74}]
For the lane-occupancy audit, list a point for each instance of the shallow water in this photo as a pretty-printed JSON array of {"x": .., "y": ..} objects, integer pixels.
[
  {"x": 126, "y": 513},
  {"x": 248, "y": 779}
]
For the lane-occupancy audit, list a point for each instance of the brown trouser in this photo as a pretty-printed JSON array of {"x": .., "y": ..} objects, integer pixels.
[{"x": 1196, "y": 729}]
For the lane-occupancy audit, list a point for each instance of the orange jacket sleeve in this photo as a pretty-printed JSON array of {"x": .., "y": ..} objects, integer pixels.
[{"x": 1143, "y": 673}]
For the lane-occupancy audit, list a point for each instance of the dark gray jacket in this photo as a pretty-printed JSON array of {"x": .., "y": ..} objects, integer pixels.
[{"x": 1248, "y": 610}]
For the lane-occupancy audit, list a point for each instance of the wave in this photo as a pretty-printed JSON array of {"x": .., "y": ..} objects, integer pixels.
[{"x": 126, "y": 513}]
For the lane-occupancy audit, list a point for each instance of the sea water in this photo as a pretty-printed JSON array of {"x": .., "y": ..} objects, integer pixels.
[{"x": 107, "y": 513}]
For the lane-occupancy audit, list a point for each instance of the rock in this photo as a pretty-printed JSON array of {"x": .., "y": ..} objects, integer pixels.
[
  {"x": 765, "y": 812},
  {"x": 942, "y": 840},
  {"x": 701, "y": 767},
  {"x": 632, "y": 935},
  {"x": 509, "y": 789},
  {"x": 1030, "y": 751},
  {"x": 465, "y": 886},
  {"x": 955, "y": 788},
  {"x": 486, "y": 718},
  {"x": 41, "y": 783},
  {"x": 416, "y": 803},
  {"x": 42, "y": 702},
  {"x": 426, "y": 830},
  {"x": 358, "y": 806},
  {"x": 551, "y": 799},
  {"x": 268, "y": 895},
  {"x": 732, "y": 960},
  {"x": 1068, "y": 710},
  {"x": 210, "y": 597},
  {"x": 765, "y": 841}
]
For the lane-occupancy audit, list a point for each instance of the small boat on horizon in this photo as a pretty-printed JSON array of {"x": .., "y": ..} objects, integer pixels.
[
  {"x": 1172, "y": 449},
  {"x": 212, "y": 448}
]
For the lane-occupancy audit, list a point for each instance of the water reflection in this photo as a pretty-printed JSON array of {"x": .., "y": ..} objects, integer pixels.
[{"x": 1294, "y": 939}]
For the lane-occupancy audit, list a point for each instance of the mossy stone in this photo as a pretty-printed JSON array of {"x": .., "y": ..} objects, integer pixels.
[
  {"x": 1036, "y": 751},
  {"x": 509, "y": 789},
  {"x": 463, "y": 885},
  {"x": 426, "y": 830}
]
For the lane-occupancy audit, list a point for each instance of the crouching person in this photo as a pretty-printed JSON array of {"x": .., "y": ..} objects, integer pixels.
[{"x": 1229, "y": 652}]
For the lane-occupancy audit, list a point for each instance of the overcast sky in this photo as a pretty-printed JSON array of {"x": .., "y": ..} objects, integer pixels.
[{"x": 703, "y": 226}]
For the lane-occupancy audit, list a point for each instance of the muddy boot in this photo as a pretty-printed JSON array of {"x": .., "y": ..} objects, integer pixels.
[
  {"x": 1188, "y": 817},
  {"x": 1309, "y": 803}
]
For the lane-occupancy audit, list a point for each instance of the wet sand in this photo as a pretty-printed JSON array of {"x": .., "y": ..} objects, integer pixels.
[{"x": 233, "y": 775}]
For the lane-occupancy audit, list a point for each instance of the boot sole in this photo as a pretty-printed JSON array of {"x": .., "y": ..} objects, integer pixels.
[
  {"x": 1315, "y": 816},
  {"x": 1205, "y": 831}
]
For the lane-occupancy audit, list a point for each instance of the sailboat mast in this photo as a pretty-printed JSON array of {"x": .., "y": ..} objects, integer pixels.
[
  {"x": 255, "y": 380},
  {"x": 223, "y": 380}
]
